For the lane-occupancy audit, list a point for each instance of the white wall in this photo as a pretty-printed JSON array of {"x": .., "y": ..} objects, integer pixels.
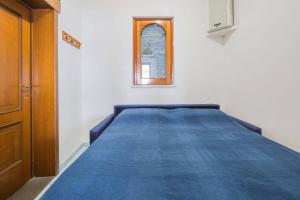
[
  {"x": 107, "y": 55},
  {"x": 69, "y": 68},
  {"x": 254, "y": 74},
  {"x": 263, "y": 58}
]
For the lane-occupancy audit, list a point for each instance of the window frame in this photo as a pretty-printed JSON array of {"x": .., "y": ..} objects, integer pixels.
[{"x": 139, "y": 23}]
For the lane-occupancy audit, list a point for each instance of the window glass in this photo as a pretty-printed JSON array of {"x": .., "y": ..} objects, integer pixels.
[{"x": 153, "y": 47}]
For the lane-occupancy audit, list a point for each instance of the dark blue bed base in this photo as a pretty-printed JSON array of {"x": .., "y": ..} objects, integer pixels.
[{"x": 98, "y": 130}]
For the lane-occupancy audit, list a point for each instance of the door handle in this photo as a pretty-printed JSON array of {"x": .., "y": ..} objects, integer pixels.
[{"x": 26, "y": 89}]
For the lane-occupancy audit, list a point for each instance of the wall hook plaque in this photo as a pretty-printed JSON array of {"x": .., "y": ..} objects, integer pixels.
[{"x": 71, "y": 40}]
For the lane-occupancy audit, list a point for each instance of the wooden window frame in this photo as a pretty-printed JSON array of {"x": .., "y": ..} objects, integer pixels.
[{"x": 139, "y": 23}]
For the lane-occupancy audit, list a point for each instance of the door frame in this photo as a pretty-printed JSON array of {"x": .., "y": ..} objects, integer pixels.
[
  {"x": 44, "y": 86},
  {"x": 44, "y": 92}
]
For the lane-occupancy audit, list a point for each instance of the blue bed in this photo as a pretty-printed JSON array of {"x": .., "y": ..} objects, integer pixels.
[{"x": 182, "y": 153}]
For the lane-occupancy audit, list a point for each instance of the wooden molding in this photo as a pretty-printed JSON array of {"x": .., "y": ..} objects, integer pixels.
[
  {"x": 54, "y": 4},
  {"x": 44, "y": 92},
  {"x": 71, "y": 40}
]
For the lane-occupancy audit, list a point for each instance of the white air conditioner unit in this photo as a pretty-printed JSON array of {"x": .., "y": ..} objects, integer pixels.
[{"x": 221, "y": 17}]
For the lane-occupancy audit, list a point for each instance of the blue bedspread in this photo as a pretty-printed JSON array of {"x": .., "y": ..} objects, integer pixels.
[{"x": 186, "y": 154}]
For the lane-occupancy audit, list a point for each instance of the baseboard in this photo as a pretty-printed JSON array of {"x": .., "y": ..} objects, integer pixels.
[{"x": 62, "y": 167}]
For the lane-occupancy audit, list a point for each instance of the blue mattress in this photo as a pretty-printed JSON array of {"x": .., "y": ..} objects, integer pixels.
[{"x": 156, "y": 154}]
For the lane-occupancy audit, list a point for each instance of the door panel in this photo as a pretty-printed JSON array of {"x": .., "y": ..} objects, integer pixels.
[
  {"x": 10, "y": 65},
  {"x": 10, "y": 146},
  {"x": 15, "y": 95}
]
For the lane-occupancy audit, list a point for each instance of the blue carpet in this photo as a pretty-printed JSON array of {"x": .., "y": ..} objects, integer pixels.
[{"x": 180, "y": 154}]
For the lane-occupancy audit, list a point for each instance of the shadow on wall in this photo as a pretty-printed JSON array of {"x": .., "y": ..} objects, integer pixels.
[{"x": 221, "y": 40}]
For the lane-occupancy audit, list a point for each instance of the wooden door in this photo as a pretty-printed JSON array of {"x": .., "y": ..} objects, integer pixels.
[{"x": 15, "y": 95}]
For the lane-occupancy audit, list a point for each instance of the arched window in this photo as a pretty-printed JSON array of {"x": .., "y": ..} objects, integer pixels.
[{"x": 153, "y": 51}]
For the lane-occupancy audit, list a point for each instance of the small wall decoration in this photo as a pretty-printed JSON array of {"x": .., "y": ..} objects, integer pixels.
[{"x": 71, "y": 40}]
